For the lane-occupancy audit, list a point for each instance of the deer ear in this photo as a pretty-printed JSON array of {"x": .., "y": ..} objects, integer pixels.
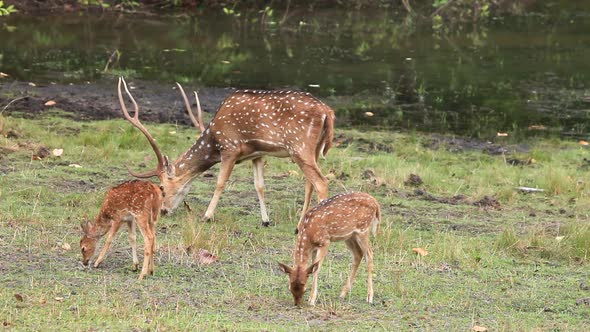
[
  {"x": 313, "y": 268},
  {"x": 169, "y": 167},
  {"x": 285, "y": 268},
  {"x": 84, "y": 226}
]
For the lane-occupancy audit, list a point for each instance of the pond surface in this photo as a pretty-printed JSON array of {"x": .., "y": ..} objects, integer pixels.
[{"x": 504, "y": 76}]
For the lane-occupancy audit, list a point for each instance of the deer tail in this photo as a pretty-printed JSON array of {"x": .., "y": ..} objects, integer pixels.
[
  {"x": 376, "y": 221},
  {"x": 328, "y": 131}
]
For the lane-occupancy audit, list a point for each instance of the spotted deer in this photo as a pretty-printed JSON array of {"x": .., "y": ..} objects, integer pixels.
[
  {"x": 136, "y": 203},
  {"x": 345, "y": 217},
  {"x": 250, "y": 125}
]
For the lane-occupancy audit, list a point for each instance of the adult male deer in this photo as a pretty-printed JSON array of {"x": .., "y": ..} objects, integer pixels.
[
  {"x": 249, "y": 125},
  {"x": 345, "y": 217},
  {"x": 135, "y": 203}
]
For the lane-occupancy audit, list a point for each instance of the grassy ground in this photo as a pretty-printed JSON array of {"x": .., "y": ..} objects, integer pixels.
[{"x": 509, "y": 262}]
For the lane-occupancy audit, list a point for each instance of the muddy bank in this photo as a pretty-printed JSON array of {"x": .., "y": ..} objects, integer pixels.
[{"x": 98, "y": 100}]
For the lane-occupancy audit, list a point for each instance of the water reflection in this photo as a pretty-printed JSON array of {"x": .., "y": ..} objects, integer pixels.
[{"x": 503, "y": 76}]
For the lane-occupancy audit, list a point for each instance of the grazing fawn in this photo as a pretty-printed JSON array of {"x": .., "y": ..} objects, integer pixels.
[
  {"x": 345, "y": 217},
  {"x": 250, "y": 125},
  {"x": 135, "y": 202}
]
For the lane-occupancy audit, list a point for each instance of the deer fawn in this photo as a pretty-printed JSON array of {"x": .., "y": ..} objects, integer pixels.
[
  {"x": 345, "y": 217},
  {"x": 249, "y": 125},
  {"x": 134, "y": 202}
]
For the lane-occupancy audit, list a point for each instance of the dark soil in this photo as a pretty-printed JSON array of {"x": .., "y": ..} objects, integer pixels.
[{"x": 98, "y": 100}]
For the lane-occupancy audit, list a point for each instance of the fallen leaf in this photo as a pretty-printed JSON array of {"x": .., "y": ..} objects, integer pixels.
[
  {"x": 477, "y": 328},
  {"x": 583, "y": 142},
  {"x": 3, "y": 75},
  {"x": 225, "y": 61},
  {"x": 293, "y": 173},
  {"x": 75, "y": 165},
  {"x": 32, "y": 84},
  {"x": 172, "y": 132},
  {"x": 18, "y": 297},
  {"x": 502, "y": 134},
  {"x": 369, "y": 114},
  {"x": 42, "y": 301},
  {"x": 50, "y": 103},
  {"x": 559, "y": 238},
  {"x": 66, "y": 246},
  {"x": 205, "y": 257},
  {"x": 420, "y": 251},
  {"x": 57, "y": 152},
  {"x": 59, "y": 299},
  {"x": 537, "y": 127},
  {"x": 313, "y": 85}
]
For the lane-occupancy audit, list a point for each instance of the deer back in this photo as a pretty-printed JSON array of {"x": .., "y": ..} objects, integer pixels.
[
  {"x": 280, "y": 123},
  {"x": 339, "y": 217},
  {"x": 137, "y": 197}
]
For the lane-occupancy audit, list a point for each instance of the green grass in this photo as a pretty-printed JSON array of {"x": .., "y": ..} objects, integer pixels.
[{"x": 518, "y": 268}]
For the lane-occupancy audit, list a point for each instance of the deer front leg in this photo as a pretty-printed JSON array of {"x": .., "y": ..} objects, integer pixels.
[
  {"x": 321, "y": 254},
  {"x": 133, "y": 242},
  {"x": 112, "y": 231},
  {"x": 227, "y": 164},
  {"x": 258, "y": 166},
  {"x": 357, "y": 257}
]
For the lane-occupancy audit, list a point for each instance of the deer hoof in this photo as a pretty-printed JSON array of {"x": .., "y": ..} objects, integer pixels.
[
  {"x": 206, "y": 219},
  {"x": 265, "y": 223}
]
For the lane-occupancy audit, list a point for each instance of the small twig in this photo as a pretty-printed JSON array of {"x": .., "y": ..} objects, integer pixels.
[
  {"x": 12, "y": 101},
  {"x": 286, "y": 14},
  {"x": 406, "y": 4},
  {"x": 111, "y": 60},
  {"x": 441, "y": 8}
]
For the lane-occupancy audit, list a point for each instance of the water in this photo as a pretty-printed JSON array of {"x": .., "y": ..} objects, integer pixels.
[{"x": 503, "y": 76}]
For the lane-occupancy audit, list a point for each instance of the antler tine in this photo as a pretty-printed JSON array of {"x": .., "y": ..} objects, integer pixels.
[
  {"x": 197, "y": 122},
  {"x": 136, "y": 123},
  {"x": 199, "y": 112}
]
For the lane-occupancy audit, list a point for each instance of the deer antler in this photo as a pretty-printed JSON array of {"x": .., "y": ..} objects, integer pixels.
[
  {"x": 198, "y": 121},
  {"x": 136, "y": 123}
]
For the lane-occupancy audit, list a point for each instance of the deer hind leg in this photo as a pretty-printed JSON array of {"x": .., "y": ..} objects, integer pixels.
[
  {"x": 227, "y": 165},
  {"x": 148, "y": 239},
  {"x": 365, "y": 245},
  {"x": 307, "y": 200},
  {"x": 314, "y": 177},
  {"x": 320, "y": 255},
  {"x": 133, "y": 242},
  {"x": 112, "y": 231},
  {"x": 258, "y": 166},
  {"x": 357, "y": 257}
]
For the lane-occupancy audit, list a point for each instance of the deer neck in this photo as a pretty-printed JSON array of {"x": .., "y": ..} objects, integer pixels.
[
  {"x": 302, "y": 251},
  {"x": 100, "y": 227},
  {"x": 200, "y": 157}
]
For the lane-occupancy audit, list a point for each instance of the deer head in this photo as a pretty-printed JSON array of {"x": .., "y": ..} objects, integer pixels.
[
  {"x": 298, "y": 279},
  {"x": 88, "y": 242}
]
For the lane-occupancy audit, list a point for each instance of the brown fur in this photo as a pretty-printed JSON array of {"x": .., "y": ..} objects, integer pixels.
[
  {"x": 134, "y": 202},
  {"x": 346, "y": 217},
  {"x": 249, "y": 125}
]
